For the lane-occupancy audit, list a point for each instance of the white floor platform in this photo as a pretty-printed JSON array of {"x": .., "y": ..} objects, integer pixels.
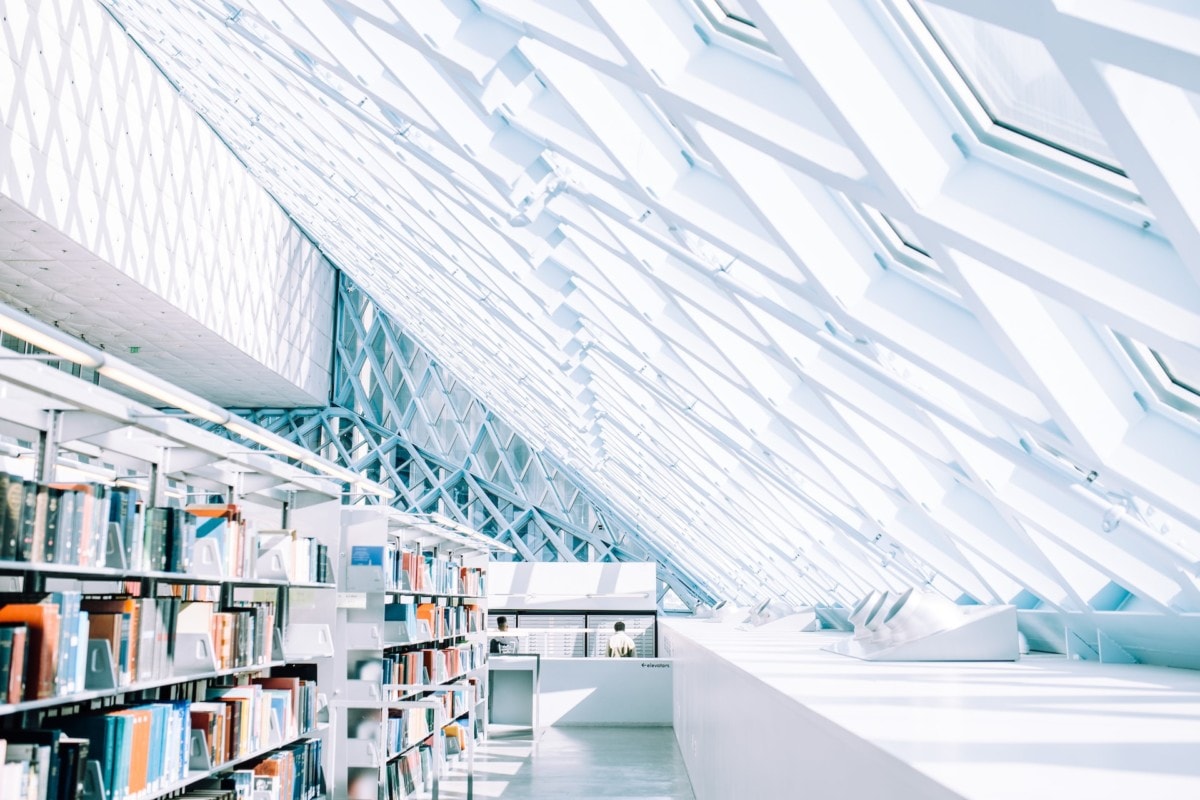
[
  {"x": 1043, "y": 727},
  {"x": 573, "y": 763}
]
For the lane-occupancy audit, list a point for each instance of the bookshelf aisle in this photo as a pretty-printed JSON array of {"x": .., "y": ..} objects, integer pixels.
[
  {"x": 412, "y": 614},
  {"x": 165, "y": 603}
]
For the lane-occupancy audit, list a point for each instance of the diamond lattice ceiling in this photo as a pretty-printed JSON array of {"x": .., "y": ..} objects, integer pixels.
[{"x": 824, "y": 295}]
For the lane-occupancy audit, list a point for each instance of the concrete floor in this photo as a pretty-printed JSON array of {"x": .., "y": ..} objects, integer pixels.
[{"x": 578, "y": 762}]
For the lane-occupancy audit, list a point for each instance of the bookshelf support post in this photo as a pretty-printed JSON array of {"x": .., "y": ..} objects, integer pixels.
[{"x": 48, "y": 447}]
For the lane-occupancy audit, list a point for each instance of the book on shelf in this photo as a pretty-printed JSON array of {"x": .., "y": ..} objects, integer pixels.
[
  {"x": 407, "y": 775},
  {"x": 407, "y": 569},
  {"x": 11, "y": 504},
  {"x": 168, "y": 538},
  {"x": 144, "y": 749},
  {"x": 285, "y": 694},
  {"x": 455, "y": 737},
  {"x": 95, "y": 525},
  {"x": 430, "y": 666},
  {"x": 67, "y": 523},
  {"x": 407, "y": 727},
  {"x": 302, "y": 559},
  {"x": 46, "y": 627},
  {"x": 138, "y": 748},
  {"x": 14, "y": 651},
  {"x": 38, "y": 759},
  {"x": 209, "y": 793},
  {"x": 252, "y": 716},
  {"x": 140, "y": 631},
  {"x": 413, "y": 622},
  {"x": 44, "y": 637},
  {"x": 291, "y": 773}
]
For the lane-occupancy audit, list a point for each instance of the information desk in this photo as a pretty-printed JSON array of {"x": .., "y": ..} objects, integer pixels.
[{"x": 580, "y": 691}]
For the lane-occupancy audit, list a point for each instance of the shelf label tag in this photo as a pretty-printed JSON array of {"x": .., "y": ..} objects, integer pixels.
[{"x": 352, "y": 600}]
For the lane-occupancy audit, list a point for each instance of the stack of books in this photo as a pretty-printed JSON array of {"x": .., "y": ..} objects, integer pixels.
[
  {"x": 407, "y": 667},
  {"x": 237, "y": 721},
  {"x": 42, "y": 763},
  {"x": 240, "y": 633},
  {"x": 67, "y": 523},
  {"x": 407, "y": 727},
  {"x": 140, "y": 632},
  {"x": 291, "y": 773},
  {"x": 43, "y": 644},
  {"x": 407, "y": 775},
  {"x": 302, "y": 558},
  {"x": 140, "y": 749},
  {"x": 472, "y": 581}
]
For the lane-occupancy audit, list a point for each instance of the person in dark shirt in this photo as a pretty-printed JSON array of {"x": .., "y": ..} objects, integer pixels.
[{"x": 502, "y": 645}]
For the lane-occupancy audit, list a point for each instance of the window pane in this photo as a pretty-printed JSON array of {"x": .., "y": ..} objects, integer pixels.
[
  {"x": 1018, "y": 83},
  {"x": 1184, "y": 375},
  {"x": 732, "y": 18},
  {"x": 906, "y": 235},
  {"x": 736, "y": 11}
]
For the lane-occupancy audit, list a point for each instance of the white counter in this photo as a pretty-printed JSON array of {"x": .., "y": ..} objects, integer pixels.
[
  {"x": 760, "y": 714},
  {"x": 585, "y": 691}
]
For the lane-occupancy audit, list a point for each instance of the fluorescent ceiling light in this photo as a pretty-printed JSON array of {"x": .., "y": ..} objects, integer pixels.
[
  {"x": 60, "y": 344},
  {"x": 45, "y": 337},
  {"x": 148, "y": 385}
]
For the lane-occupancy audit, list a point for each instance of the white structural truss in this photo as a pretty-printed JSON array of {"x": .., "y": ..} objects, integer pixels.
[
  {"x": 823, "y": 296},
  {"x": 399, "y": 416}
]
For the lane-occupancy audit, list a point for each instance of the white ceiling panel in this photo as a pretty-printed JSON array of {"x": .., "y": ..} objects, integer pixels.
[{"x": 904, "y": 291}]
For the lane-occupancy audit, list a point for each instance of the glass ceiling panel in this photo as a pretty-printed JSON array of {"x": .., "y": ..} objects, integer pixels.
[
  {"x": 1184, "y": 375},
  {"x": 660, "y": 347},
  {"x": 732, "y": 17},
  {"x": 1016, "y": 80}
]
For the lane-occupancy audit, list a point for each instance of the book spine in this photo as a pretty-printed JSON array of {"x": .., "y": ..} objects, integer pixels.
[
  {"x": 69, "y": 544},
  {"x": 14, "y": 499},
  {"x": 82, "y": 629},
  {"x": 20, "y": 664},
  {"x": 6, "y": 662},
  {"x": 146, "y": 640},
  {"x": 29, "y": 495},
  {"x": 54, "y": 511},
  {"x": 101, "y": 512}
]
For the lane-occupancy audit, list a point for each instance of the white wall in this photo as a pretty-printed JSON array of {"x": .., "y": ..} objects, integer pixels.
[
  {"x": 573, "y": 586},
  {"x": 606, "y": 691},
  {"x": 742, "y": 738},
  {"x": 96, "y": 143},
  {"x": 583, "y": 691}
]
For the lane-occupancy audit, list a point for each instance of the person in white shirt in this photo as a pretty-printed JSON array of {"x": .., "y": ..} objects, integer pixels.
[{"x": 619, "y": 644}]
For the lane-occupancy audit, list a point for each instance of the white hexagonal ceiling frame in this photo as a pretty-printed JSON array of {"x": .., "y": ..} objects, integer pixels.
[{"x": 824, "y": 296}]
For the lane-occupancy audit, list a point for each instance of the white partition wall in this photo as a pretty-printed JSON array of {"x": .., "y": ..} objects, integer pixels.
[
  {"x": 742, "y": 737},
  {"x": 125, "y": 218},
  {"x": 763, "y": 713},
  {"x": 574, "y": 586},
  {"x": 613, "y": 691}
]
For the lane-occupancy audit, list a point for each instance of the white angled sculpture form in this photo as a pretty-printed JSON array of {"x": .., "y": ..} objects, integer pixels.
[
  {"x": 923, "y": 626},
  {"x": 861, "y": 609},
  {"x": 874, "y": 617}
]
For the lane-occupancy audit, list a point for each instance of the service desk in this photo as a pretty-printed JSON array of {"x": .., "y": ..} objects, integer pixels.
[{"x": 581, "y": 691}]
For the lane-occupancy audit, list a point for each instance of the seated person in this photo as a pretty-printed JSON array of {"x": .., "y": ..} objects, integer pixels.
[{"x": 502, "y": 645}]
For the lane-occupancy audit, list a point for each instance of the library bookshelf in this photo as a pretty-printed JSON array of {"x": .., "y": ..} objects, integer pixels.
[
  {"x": 165, "y": 603},
  {"x": 409, "y": 704}
]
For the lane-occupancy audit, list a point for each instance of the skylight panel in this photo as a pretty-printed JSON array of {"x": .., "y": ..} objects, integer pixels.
[
  {"x": 731, "y": 17},
  {"x": 901, "y": 242},
  {"x": 1184, "y": 376},
  {"x": 1018, "y": 84},
  {"x": 1174, "y": 380}
]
